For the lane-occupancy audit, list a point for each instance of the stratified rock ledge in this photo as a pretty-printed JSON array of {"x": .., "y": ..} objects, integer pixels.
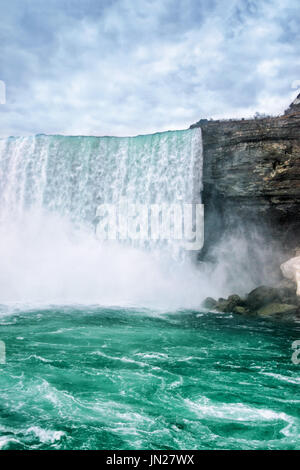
[{"x": 251, "y": 175}]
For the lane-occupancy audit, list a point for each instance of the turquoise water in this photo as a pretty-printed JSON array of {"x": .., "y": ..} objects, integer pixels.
[
  {"x": 96, "y": 378},
  {"x": 121, "y": 378}
]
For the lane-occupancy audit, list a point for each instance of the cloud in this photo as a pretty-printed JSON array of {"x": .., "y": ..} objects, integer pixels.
[{"x": 118, "y": 67}]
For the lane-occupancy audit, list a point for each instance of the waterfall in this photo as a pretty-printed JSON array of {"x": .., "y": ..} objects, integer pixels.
[
  {"x": 71, "y": 176},
  {"x": 50, "y": 189}
]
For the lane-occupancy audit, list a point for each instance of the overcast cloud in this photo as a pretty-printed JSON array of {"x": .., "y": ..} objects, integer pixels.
[{"x": 126, "y": 67}]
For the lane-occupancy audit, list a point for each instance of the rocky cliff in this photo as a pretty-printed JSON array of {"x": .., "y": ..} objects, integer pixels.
[{"x": 252, "y": 175}]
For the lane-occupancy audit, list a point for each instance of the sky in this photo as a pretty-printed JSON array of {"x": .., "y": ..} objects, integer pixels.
[{"x": 128, "y": 67}]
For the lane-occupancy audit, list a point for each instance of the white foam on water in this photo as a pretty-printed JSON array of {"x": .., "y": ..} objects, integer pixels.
[
  {"x": 204, "y": 407},
  {"x": 5, "y": 441},
  {"x": 45, "y": 435}
]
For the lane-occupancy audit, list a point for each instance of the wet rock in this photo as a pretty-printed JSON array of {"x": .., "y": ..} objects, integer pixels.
[
  {"x": 280, "y": 301},
  {"x": 234, "y": 301},
  {"x": 241, "y": 310},
  {"x": 261, "y": 296},
  {"x": 228, "y": 305},
  {"x": 274, "y": 309},
  {"x": 209, "y": 303},
  {"x": 222, "y": 305}
]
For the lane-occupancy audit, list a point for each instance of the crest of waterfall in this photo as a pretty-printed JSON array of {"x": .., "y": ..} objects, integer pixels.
[
  {"x": 73, "y": 175},
  {"x": 48, "y": 182}
]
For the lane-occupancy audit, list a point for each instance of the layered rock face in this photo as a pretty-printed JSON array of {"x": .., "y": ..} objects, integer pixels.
[{"x": 251, "y": 177}]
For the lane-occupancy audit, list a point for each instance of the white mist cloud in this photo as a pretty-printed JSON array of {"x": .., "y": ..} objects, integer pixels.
[{"x": 117, "y": 67}]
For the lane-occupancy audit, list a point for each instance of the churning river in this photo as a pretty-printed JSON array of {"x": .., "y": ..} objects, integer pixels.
[{"x": 105, "y": 345}]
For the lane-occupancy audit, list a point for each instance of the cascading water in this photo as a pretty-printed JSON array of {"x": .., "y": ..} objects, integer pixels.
[
  {"x": 71, "y": 176},
  {"x": 50, "y": 189},
  {"x": 138, "y": 364}
]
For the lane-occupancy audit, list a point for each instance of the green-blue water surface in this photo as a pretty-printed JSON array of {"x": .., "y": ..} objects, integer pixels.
[{"x": 112, "y": 378}]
